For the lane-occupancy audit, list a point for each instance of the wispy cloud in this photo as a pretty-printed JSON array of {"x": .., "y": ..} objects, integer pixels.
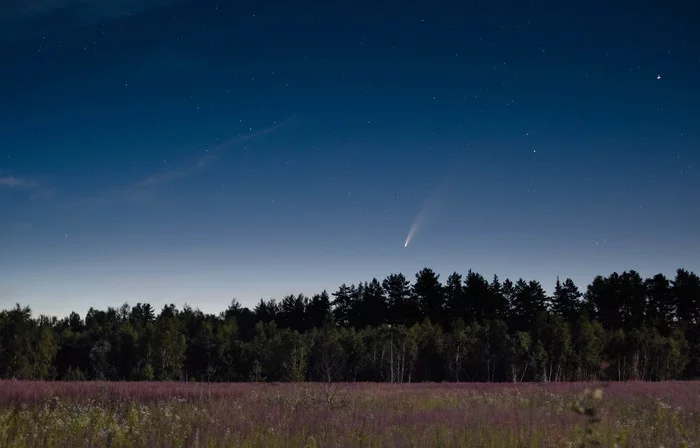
[
  {"x": 211, "y": 155},
  {"x": 163, "y": 177},
  {"x": 18, "y": 182},
  {"x": 33, "y": 187}
]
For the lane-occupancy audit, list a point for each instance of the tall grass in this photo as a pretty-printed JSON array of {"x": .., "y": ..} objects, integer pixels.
[{"x": 55, "y": 414}]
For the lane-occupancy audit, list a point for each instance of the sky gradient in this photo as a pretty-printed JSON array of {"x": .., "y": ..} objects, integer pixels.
[{"x": 192, "y": 152}]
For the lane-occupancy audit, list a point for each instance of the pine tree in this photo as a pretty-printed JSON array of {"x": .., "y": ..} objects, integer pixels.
[
  {"x": 429, "y": 294},
  {"x": 478, "y": 297},
  {"x": 566, "y": 301},
  {"x": 455, "y": 305},
  {"x": 316, "y": 311},
  {"x": 401, "y": 308}
]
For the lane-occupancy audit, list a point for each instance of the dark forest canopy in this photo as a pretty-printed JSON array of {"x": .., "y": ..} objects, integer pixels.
[{"x": 467, "y": 328}]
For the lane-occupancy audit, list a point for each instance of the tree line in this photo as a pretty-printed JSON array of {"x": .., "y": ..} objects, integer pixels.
[{"x": 623, "y": 327}]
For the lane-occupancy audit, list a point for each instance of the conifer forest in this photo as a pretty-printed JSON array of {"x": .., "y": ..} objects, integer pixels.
[{"x": 466, "y": 328}]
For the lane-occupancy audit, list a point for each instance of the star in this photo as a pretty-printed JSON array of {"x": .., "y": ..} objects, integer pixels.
[{"x": 658, "y": 76}]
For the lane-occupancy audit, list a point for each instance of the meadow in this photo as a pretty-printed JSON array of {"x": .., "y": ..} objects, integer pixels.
[{"x": 97, "y": 414}]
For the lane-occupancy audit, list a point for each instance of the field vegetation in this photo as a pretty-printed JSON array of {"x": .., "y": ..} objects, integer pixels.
[{"x": 148, "y": 414}]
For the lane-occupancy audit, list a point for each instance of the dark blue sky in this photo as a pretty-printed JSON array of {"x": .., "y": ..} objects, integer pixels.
[{"x": 172, "y": 151}]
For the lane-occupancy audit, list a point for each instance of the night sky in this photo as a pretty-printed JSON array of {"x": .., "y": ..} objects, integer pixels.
[{"x": 192, "y": 152}]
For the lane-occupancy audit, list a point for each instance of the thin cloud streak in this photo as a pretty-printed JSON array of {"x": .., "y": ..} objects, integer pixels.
[
  {"x": 145, "y": 192},
  {"x": 18, "y": 182},
  {"x": 211, "y": 156},
  {"x": 161, "y": 178}
]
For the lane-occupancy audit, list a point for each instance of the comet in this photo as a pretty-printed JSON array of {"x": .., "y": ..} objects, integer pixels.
[
  {"x": 435, "y": 201},
  {"x": 428, "y": 206},
  {"x": 413, "y": 230}
]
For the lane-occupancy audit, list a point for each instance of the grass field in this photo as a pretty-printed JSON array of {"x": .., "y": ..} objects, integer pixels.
[{"x": 56, "y": 414}]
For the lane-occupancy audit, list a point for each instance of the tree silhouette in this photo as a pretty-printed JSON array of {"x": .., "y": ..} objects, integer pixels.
[
  {"x": 429, "y": 295},
  {"x": 624, "y": 327},
  {"x": 401, "y": 306},
  {"x": 455, "y": 301},
  {"x": 659, "y": 303},
  {"x": 343, "y": 306},
  {"x": 373, "y": 306},
  {"x": 478, "y": 298},
  {"x": 566, "y": 301},
  {"x": 317, "y": 310},
  {"x": 529, "y": 300}
]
